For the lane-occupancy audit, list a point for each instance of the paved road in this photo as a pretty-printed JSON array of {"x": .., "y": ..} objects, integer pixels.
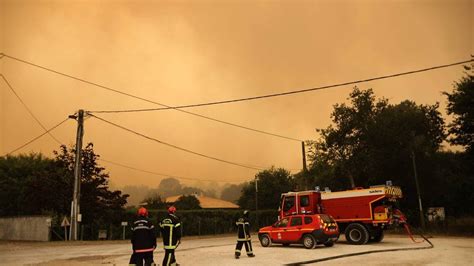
[{"x": 219, "y": 251}]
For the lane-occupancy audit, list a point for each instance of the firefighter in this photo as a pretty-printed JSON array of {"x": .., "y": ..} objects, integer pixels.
[
  {"x": 143, "y": 239},
  {"x": 243, "y": 235},
  {"x": 171, "y": 232}
]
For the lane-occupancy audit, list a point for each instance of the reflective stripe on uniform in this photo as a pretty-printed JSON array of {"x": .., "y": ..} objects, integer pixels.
[
  {"x": 144, "y": 250},
  {"x": 169, "y": 225},
  {"x": 248, "y": 247},
  {"x": 171, "y": 237},
  {"x": 142, "y": 227},
  {"x": 169, "y": 247}
]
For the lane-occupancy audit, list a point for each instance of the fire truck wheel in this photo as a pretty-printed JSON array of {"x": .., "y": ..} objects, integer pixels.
[
  {"x": 265, "y": 241},
  {"x": 308, "y": 241},
  {"x": 378, "y": 236},
  {"x": 357, "y": 234}
]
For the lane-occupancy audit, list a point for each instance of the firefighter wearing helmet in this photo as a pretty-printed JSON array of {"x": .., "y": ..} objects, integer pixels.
[
  {"x": 171, "y": 232},
  {"x": 243, "y": 235},
  {"x": 143, "y": 239}
]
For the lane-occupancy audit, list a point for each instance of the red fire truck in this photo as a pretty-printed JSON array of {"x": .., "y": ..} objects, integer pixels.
[{"x": 361, "y": 214}]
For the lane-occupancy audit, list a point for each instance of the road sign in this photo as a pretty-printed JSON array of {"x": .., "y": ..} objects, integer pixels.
[
  {"x": 65, "y": 222},
  {"x": 124, "y": 224}
]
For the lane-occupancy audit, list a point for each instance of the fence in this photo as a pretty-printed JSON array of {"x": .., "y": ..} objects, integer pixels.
[{"x": 194, "y": 222}]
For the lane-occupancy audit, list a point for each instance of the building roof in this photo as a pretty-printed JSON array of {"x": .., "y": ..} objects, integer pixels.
[{"x": 207, "y": 202}]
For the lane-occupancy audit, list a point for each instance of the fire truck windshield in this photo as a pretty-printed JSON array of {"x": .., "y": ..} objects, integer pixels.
[{"x": 289, "y": 203}]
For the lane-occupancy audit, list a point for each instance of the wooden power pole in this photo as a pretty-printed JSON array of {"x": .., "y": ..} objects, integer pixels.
[
  {"x": 304, "y": 156},
  {"x": 75, "y": 212}
]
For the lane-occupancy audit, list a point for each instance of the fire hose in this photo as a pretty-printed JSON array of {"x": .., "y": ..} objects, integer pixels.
[
  {"x": 407, "y": 227},
  {"x": 372, "y": 251}
]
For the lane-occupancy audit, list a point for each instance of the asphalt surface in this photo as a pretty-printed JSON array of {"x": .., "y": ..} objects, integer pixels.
[{"x": 220, "y": 251}]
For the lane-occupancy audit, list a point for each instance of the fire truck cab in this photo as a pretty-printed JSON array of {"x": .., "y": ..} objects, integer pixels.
[{"x": 361, "y": 214}]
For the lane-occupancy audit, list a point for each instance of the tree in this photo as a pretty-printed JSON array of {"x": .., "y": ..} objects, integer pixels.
[
  {"x": 271, "y": 183},
  {"x": 232, "y": 193},
  {"x": 187, "y": 202},
  {"x": 343, "y": 144},
  {"x": 373, "y": 141},
  {"x": 451, "y": 183},
  {"x": 97, "y": 201},
  {"x": 31, "y": 184},
  {"x": 169, "y": 187},
  {"x": 155, "y": 202},
  {"x": 461, "y": 105}
]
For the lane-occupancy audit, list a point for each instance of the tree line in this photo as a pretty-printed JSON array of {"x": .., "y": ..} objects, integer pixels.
[{"x": 32, "y": 184}]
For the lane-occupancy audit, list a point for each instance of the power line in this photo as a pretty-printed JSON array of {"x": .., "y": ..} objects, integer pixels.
[
  {"x": 147, "y": 100},
  {"x": 27, "y": 108},
  {"x": 285, "y": 93},
  {"x": 165, "y": 175},
  {"x": 177, "y": 147},
  {"x": 47, "y": 131}
]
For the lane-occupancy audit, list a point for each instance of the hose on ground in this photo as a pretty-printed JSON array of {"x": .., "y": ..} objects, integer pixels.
[{"x": 367, "y": 252}]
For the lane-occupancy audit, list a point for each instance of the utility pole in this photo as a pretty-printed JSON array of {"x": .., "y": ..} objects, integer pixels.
[
  {"x": 77, "y": 175},
  {"x": 304, "y": 156},
  {"x": 256, "y": 202},
  {"x": 305, "y": 170},
  {"x": 422, "y": 217}
]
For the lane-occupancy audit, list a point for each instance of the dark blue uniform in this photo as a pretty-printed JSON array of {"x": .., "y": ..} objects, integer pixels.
[
  {"x": 143, "y": 242},
  {"x": 243, "y": 236},
  {"x": 171, "y": 233}
]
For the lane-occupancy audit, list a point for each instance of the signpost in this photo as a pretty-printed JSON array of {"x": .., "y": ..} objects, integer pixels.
[
  {"x": 65, "y": 223},
  {"x": 124, "y": 224}
]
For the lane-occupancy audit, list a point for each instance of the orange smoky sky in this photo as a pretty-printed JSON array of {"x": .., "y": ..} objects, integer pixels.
[{"x": 185, "y": 52}]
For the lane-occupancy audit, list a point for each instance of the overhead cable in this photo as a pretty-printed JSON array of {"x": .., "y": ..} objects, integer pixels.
[
  {"x": 28, "y": 109},
  {"x": 285, "y": 93},
  {"x": 177, "y": 147},
  {"x": 149, "y": 101},
  {"x": 47, "y": 131},
  {"x": 165, "y": 175}
]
